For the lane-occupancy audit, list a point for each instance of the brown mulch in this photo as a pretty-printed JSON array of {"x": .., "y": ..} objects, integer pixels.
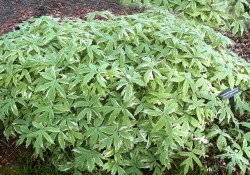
[
  {"x": 13, "y": 12},
  {"x": 241, "y": 45},
  {"x": 10, "y": 153}
]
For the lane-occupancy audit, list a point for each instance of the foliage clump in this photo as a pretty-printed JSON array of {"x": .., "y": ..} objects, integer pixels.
[
  {"x": 230, "y": 15},
  {"x": 122, "y": 95}
]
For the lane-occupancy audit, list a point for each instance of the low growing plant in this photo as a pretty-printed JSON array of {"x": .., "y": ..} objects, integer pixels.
[
  {"x": 230, "y": 15},
  {"x": 124, "y": 95}
]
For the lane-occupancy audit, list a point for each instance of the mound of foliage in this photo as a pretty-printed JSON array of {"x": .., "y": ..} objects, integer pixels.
[
  {"x": 230, "y": 15},
  {"x": 125, "y": 94}
]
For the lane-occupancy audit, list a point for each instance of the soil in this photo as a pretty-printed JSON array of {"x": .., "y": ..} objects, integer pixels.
[
  {"x": 19, "y": 160},
  {"x": 11, "y": 155},
  {"x": 13, "y": 12},
  {"x": 242, "y": 46}
]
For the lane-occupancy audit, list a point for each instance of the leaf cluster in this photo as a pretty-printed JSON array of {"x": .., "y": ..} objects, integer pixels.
[
  {"x": 229, "y": 15},
  {"x": 123, "y": 95}
]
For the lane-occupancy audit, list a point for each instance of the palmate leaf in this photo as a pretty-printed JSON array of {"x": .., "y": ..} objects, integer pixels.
[
  {"x": 53, "y": 85},
  {"x": 165, "y": 117},
  {"x": 163, "y": 121},
  {"x": 117, "y": 109},
  {"x": 191, "y": 158},
  {"x": 114, "y": 167},
  {"x": 136, "y": 163},
  {"x": 97, "y": 133},
  {"x": 235, "y": 158},
  {"x": 7, "y": 106},
  {"x": 44, "y": 113},
  {"x": 40, "y": 136},
  {"x": 25, "y": 74},
  {"x": 118, "y": 139},
  {"x": 87, "y": 158},
  {"x": 90, "y": 108}
]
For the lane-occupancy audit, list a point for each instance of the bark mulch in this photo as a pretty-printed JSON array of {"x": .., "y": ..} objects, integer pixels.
[
  {"x": 13, "y": 12},
  {"x": 242, "y": 46}
]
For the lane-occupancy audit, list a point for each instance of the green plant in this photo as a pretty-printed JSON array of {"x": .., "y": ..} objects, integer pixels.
[
  {"x": 240, "y": 17},
  {"x": 130, "y": 93},
  {"x": 231, "y": 15}
]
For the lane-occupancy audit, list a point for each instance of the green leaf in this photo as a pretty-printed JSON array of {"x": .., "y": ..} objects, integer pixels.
[
  {"x": 61, "y": 140},
  {"x": 60, "y": 89},
  {"x": 77, "y": 172},
  {"x": 97, "y": 158},
  {"x": 90, "y": 53},
  {"x": 172, "y": 107},
  {"x": 194, "y": 122},
  {"x": 37, "y": 125},
  {"x": 88, "y": 77},
  {"x": 160, "y": 124},
  {"x": 52, "y": 129},
  {"x": 221, "y": 142},
  {"x": 38, "y": 143},
  {"x": 126, "y": 135},
  {"x": 197, "y": 160},
  {"x": 185, "y": 87},
  {"x": 51, "y": 94},
  {"x": 43, "y": 87},
  {"x": 27, "y": 75},
  {"x": 47, "y": 137},
  {"x": 117, "y": 142}
]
